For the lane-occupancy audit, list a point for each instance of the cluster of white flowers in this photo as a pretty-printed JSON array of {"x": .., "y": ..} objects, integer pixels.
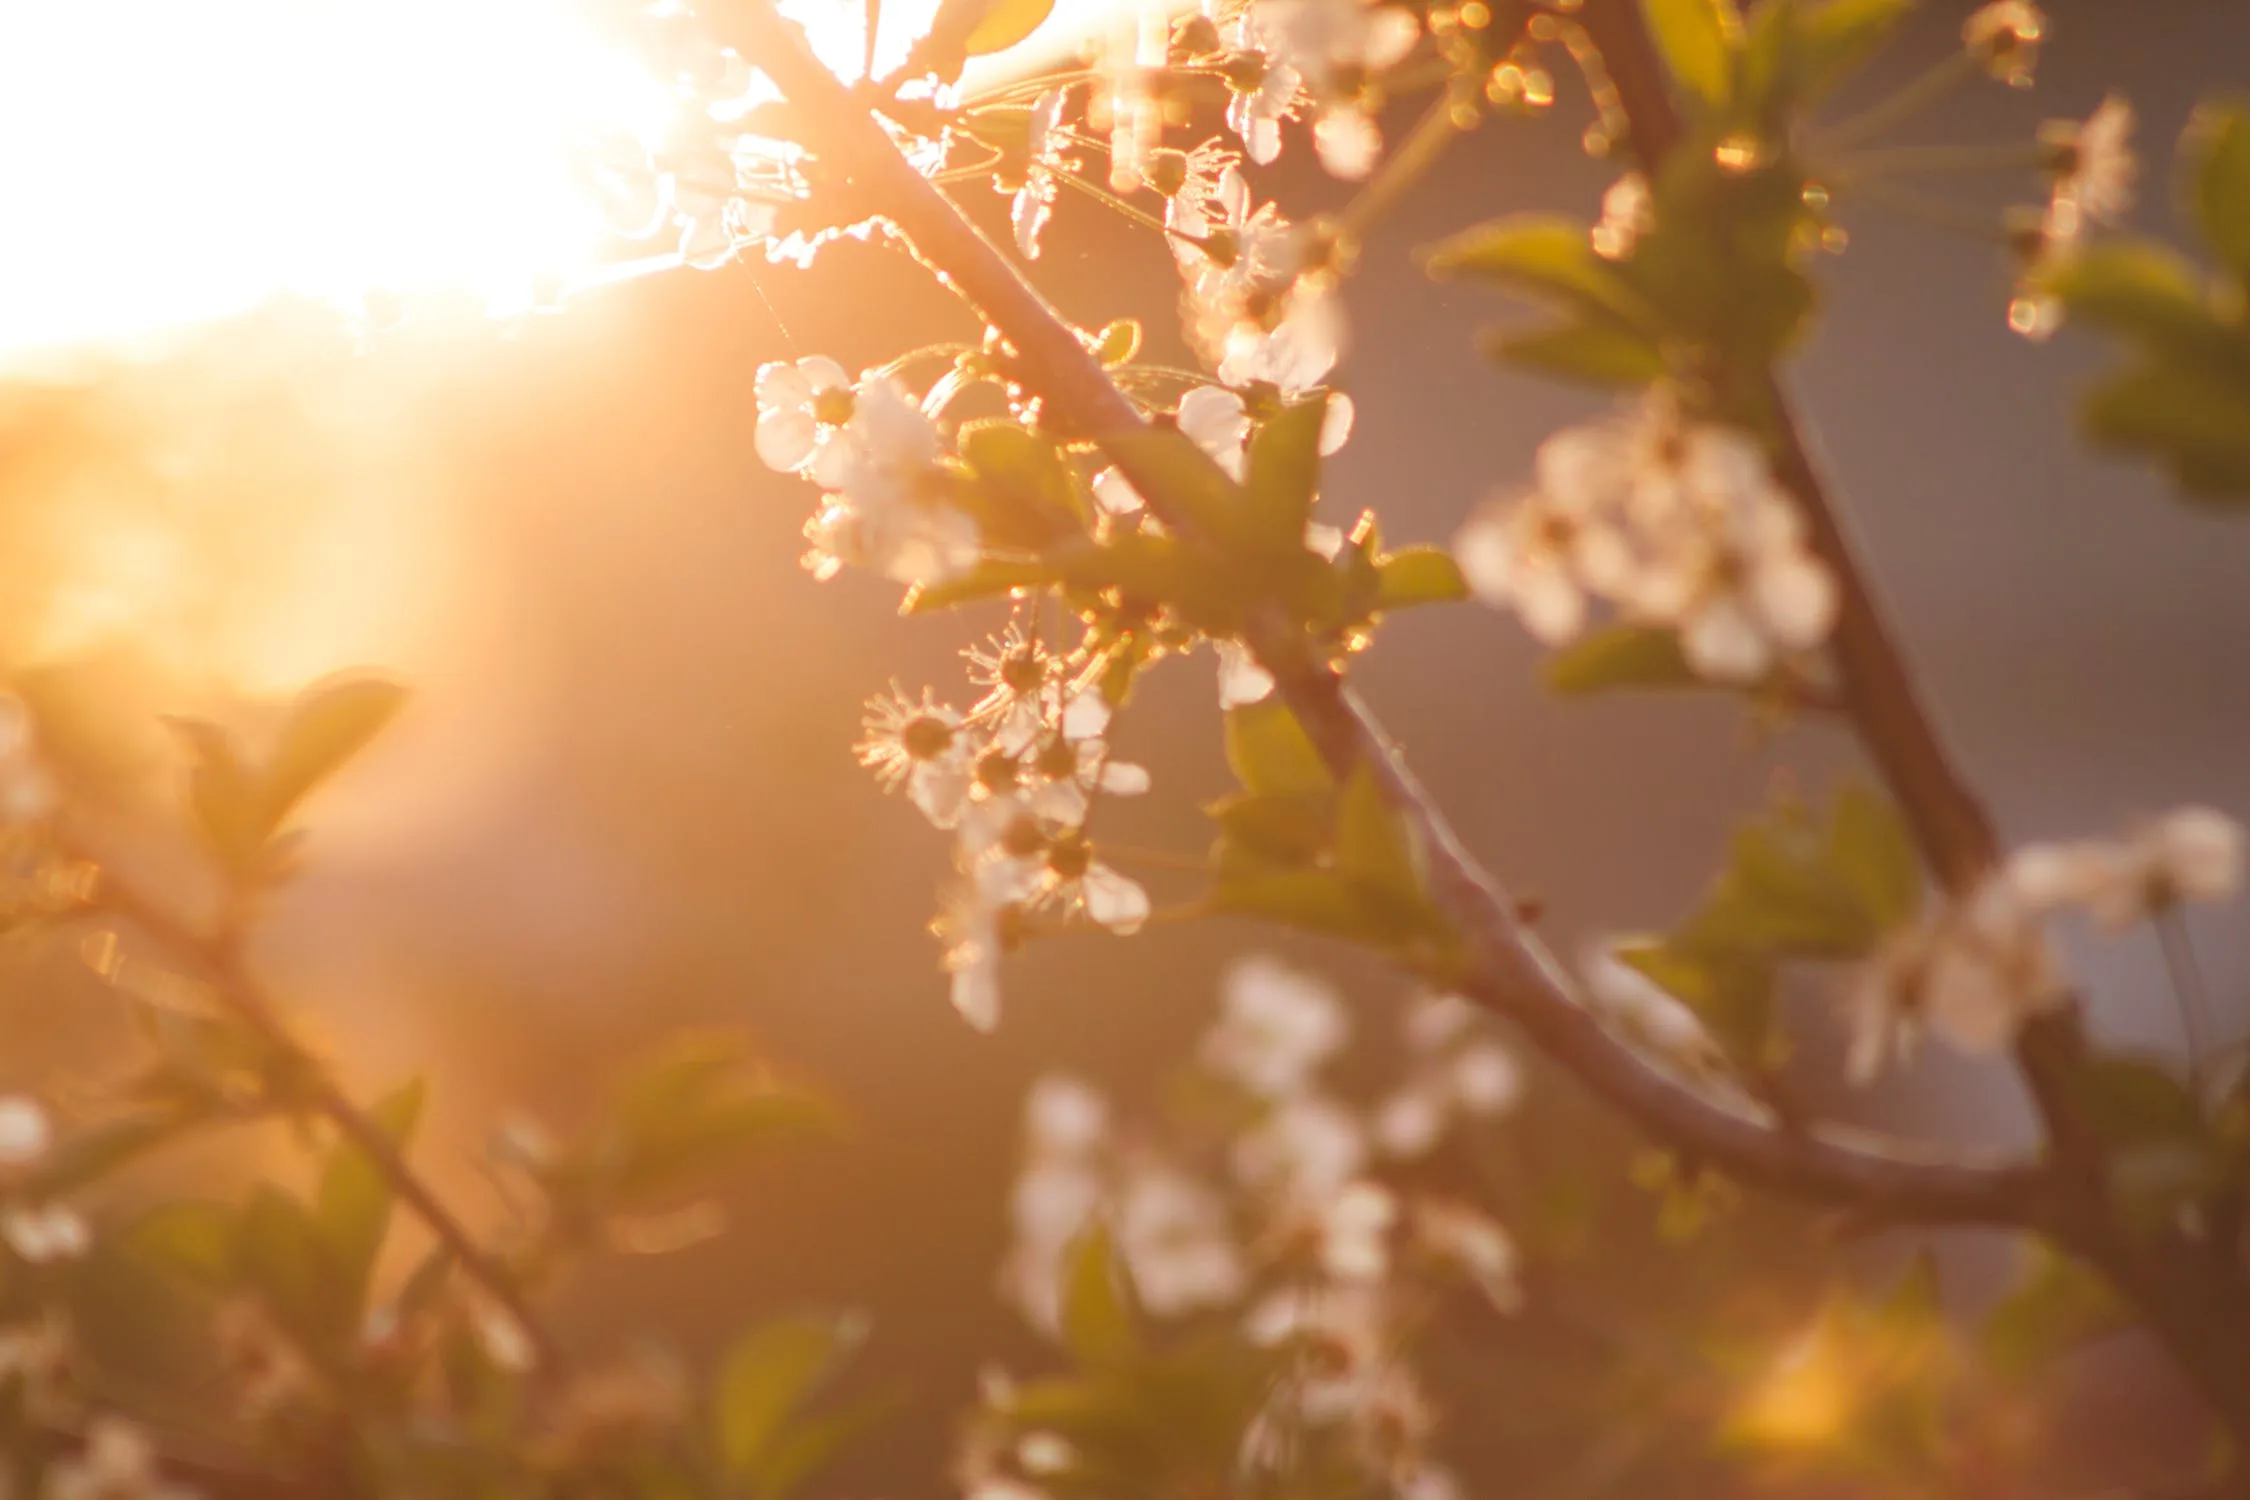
[
  {"x": 117, "y": 1463},
  {"x": 2094, "y": 171},
  {"x": 875, "y": 453},
  {"x": 1324, "y": 57},
  {"x": 35, "y": 1229},
  {"x": 1014, "y": 779},
  {"x": 1257, "y": 304},
  {"x": 1314, "y": 1249},
  {"x": 1674, "y": 523},
  {"x": 1983, "y": 966}
]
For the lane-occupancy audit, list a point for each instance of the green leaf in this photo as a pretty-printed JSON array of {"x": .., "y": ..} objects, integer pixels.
[
  {"x": 353, "y": 1204},
  {"x": 283, "y": 1255},
  {"x": 224, "y": 796},
  {"x": 1697, "y": 40},
  {"x": 1176, "y": 477},
  {"x": 698, "y": 1099},
  {"x": 195, "y": 1239},
  {"x": 1548, "y": 258},
  {"x": 1608, "y": 355},
  {"x": 1099, "y": 1320},
  {"x": 2138, "y": 1100},
  {"x": 1310, "y": 900},
  {"x": 1024, "y": 493},
  {"x": 1374, "y": 848},
  {"x": 1272, "y": 829},
  {"x": 2192, "y": 420},
  {"x": 1117, "y": 343},
  {"x": 1005, "y": 23},
  {"x": 2219, "y": 148},
  {"x": 1834, "y": 39},
  {"x": 770, "y": 1373},
  {"x": 1871, "y": 847},
  {"x": 1283, "y": 472},
  {"x": 1620, "y": 656},
  {"x": 2145, "y": 292},
  {"x": 806, "y": 1446},
  {"x": 1270, "y": 753},
  {"x": 2057, "y": 1305},
  {"x": 1418, "y": 575},
  {"x": 329, "y": 725}
]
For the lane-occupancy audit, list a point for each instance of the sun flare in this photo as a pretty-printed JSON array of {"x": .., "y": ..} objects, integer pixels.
[{"x": 163, "y": 165}]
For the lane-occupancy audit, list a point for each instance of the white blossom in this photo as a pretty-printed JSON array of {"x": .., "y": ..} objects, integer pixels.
[
  {"x": 1355, "y": 1227},
  {"x": 2189, "y": 854},
  {"x": 1082, "y": 885},
  {"x": 1034, "y": 202},
  {"x": 1452, "y": 1072},
  {"x": 2004, "y": 36},
  {"x": 2097, "y": 165},
  {"x": 1175, "y": 1238},
  {"x": 117, "y": 1463},
  {"x": 803, "y": 409},
  {"x": 920, "y": 744},
  {"x": 1974, "y": 975},
  {"x": 1306, "y": 1147},
  {"x": 1472, "y": 1242},
  {"x": 1338, "y": 47},
  {"x": 26, "y": 1132},
  {"x": 1277, "y": 1026}
]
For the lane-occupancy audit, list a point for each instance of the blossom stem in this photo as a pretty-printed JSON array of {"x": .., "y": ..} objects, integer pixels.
[
  {"x": 1915, "y": 95},
  {"x": 1452, "y": 114},
  {"x": 2188, "y": 988},
  {"x": 1924, "y": 209},
  {"x": 1500, "y": 964},
  {"x": 1853, "y": 167},
  {"x": 1111, "y": 201},
  {"x": 2192, "y": 1299}
]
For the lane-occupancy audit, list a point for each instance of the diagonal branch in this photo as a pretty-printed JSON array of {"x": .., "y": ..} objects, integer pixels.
[
  {"x": 241, "y": 993},
  {"x": 2191, "y": 1292},
  {"x": 1509, "y": 972}
]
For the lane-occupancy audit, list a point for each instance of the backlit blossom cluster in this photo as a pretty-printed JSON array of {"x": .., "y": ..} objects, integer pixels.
[
  {"x": 1014, "y": 779},
  {"x": 1670, "y": 522},
  {"x": 2093, "y": 169},
  {"x": 1285, "y": 1224},
  {"x": 1983, "y": 965},
  {"x": 875, "y": 454}
]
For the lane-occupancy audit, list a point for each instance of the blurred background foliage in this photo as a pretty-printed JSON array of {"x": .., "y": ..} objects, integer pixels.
[{"x": 620, "y": 800}]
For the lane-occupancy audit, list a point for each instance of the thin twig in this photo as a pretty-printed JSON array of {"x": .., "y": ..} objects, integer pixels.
[
  {"x": 241, "y": 993},
  {"x": 2191, "y": 1295},
  {"x": 1506, "y": 969}
]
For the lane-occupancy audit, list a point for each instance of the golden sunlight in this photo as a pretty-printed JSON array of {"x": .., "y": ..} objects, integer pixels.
[{"x": 163, "y": 165}]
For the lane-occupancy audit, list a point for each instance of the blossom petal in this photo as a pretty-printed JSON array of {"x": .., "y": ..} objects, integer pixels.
[
  {"x": 785, "y": 438},
  {"x": 1115, "y": 901}
]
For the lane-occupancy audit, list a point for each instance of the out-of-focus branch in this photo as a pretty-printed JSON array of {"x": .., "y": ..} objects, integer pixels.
[
  {"x": 1507, "y": 970},
  {"x": 220, "y": 962},
  {"x": 2189, "y": 1291}
]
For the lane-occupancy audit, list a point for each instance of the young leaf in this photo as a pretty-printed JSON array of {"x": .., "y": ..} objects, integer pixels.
[
  {"x": 1005, "y": 23},
  {"x": 1870, "y": 846},
  {"x": 1418, "y": 575},
  {"x": 768, "y": 1376},
  {"x": 284, "y": 1257},
  {"x": 329, "y": 725},
  {"x": 1098, "y": 1315},
  {"x": 1373, "y": 846},
  {"x": 2219, "y": 138},
  {"x": 194, "y": 1238},
  {"x": 1832, "y": 40},
  {"x": 1271, "y": 754},
  {"x": 1284, "y": 469},
  {"x": 1697, "y": 40},
  {"x": 224, "y": 795},
  {"x": 2144, "y": 292},
  {"x": 1620, "y": 656},
  {"x": 1547, "y": 258},
  {"x": 353, "y": 1203},
  {"x": 1608, "y": 355},
  {"x": 2194, "y": 421}
]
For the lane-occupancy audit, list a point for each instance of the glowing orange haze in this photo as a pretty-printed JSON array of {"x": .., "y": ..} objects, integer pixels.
[{"x": 164, "y": 164}]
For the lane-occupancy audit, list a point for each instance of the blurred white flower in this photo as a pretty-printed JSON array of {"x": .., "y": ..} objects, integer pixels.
[
  {"x": 117, "y": 1463},
  {"x": 1277, "y": 1026},
  {"x": 1355, "y": 1228},
  {"x": 1175, "y": 1237},
  {"x": 1306, "y": 1147}
]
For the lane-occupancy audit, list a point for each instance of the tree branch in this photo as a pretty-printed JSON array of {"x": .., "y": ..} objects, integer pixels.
[
  {"x": 1508, "y": 972},
  {"x": 2189, "y": 1291},
  {"x": 242, "y": 994}
]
